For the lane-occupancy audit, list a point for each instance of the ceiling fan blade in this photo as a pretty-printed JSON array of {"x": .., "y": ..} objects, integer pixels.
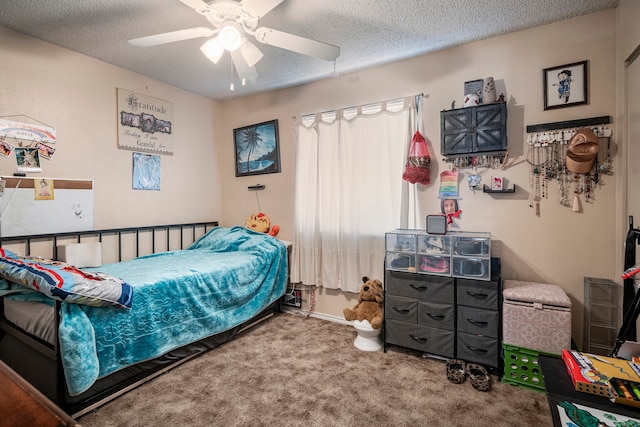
[
  {"x": 198, "y": 5},
  {"x": 298, "y": 44},
  {"x": 242, "y": 68},
  {"x": 173, "y": 36},
  {"x": 259, "y": 8}
]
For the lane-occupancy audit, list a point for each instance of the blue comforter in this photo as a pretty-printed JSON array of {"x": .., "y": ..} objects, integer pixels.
[{"x": 224, "y": 279}]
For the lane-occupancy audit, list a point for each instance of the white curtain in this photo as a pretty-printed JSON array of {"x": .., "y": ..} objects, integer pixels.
[{"x": 349, "y": 192}]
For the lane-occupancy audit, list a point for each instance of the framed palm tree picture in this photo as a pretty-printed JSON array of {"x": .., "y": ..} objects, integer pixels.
[{"x": 257, "y": 149}]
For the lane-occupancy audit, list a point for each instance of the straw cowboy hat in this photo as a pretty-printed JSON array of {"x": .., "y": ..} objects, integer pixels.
[{"x": 582, "y": 151}]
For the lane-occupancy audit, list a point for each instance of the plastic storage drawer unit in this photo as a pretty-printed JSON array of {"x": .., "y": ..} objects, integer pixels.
[
  {"x": 471, "y": 255},
  {"x": 536, "y": 316}
]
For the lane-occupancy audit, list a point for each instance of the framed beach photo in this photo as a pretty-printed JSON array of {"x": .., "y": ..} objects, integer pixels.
[
  {"x": 565, "y": 85},
  {"x": 257, "y": 149}
]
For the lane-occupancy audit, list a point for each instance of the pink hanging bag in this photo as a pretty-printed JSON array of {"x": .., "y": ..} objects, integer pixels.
[{"x": 418, "y": 167}]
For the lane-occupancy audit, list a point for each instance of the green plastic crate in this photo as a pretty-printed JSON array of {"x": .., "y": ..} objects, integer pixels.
[{"x": 521, "y": 367}]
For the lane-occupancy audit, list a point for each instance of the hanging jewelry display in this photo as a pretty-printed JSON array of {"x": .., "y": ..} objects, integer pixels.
[
  {"x": 546, "y": 155},
  {"x": 489, "y": 161},
  {"x": 538, "y": 158},
  {"x": 607, "y": 166}
]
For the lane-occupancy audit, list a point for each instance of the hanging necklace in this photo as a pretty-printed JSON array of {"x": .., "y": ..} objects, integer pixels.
[
  {"x": 535, "y": 174},
  {"x": 589, "y": 182},
  {"x": 607, "y": 167},
  {"x": 543, "y": 170},
  {"x": 563, "y": 178}
]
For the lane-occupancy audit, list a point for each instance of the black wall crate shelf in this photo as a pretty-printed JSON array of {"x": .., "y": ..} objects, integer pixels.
[
  {"x": 474, "y": 130},
  {"x": 487, "y": 189}
]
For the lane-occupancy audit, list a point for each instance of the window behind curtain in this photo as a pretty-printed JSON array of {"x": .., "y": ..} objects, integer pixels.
[{"x": 349, "y": 188}]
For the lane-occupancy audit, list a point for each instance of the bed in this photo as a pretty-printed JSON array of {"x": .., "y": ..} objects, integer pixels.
[{"x": 170, "y": 305}]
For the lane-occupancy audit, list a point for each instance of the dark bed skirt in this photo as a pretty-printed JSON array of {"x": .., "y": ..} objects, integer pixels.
[{"x": 38, "y": 363}]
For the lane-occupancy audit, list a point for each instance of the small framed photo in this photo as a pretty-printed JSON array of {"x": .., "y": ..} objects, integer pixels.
[
  {"x": 497, "y": 183},
  {"x": 43, "y": 188},
  {"x": 257, "y": 149},
  {"x": 565, "y": 85},
  {"x": 130, "y": 119},
  {"x": 5, "y": 148},
  {"x": 148, "y": 123},
  {"x": 45, "y": 151},
  {"x": 473, "y": 87},
  {"x": 28, "y": 159}
]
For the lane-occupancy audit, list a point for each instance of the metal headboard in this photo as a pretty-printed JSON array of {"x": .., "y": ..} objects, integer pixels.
[{"x": 119, "y": 232}]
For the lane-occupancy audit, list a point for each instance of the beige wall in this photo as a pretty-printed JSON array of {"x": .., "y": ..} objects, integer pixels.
[
  {"x": 629, "y": 30},
  {"x": 560, "y": 246},
  {"x": 77, "y": 95}
]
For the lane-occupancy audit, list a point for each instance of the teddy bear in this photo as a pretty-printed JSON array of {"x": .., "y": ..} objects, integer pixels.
[
  {"x": 261, "y": 222},
  {"x": 370, "y": 304}
]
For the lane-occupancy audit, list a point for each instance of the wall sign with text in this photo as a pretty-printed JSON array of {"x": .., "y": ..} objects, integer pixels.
[{"x": 144, "y": 123}]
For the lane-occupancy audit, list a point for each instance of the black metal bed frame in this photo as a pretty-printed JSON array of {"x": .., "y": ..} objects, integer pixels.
[
  {"x": 40, "y": 363},
  {"x": 119, "y": 232}
]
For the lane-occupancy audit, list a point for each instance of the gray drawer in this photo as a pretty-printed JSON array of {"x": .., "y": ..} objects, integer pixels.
[
  {"x": 477, "y": 321},
  {"x": 479, "y": 294},
  {"x": 474, "y": 348},
  {"x": 420, "y": 286},
  {"x": 422, "y": 338},
  {"x": 401, "y": 308},
  {"x": 436, "y": 315}
]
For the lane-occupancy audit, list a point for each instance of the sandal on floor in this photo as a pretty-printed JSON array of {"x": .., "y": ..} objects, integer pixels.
[
  {"x": 480, "y": 379},
  {"x": 456, "y": 371}
]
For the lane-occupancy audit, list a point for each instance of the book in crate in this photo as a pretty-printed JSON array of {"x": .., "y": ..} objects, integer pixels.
[{"x": 601, "y": 375}]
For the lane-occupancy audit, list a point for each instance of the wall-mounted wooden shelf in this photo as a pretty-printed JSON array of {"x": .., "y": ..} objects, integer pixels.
[
  {"x": 593, "y": 121},
  {"x": 487, "y": 189}
]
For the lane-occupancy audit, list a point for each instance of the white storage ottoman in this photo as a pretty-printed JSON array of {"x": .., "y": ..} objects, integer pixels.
[{"x": 536, "y": 316}]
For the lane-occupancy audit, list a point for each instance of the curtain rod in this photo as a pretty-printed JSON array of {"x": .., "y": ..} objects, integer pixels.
[{"x": 422, "y": 95}]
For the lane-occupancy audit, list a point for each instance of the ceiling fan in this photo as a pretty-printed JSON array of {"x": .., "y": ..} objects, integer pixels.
[{"x": 233, "y": 21}]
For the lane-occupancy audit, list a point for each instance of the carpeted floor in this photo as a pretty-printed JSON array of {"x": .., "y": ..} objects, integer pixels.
[{"x": 295, "y": 371}]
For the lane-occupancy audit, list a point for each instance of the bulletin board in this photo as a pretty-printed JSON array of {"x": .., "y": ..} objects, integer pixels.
[{"x": 69, "y": 207}]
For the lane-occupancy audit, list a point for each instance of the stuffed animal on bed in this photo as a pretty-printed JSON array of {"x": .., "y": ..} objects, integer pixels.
[
  {"x": 370, "y": 304},
  {"x": 261, "y": 222}
]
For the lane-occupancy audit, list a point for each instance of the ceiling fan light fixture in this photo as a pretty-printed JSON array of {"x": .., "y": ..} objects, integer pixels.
[
  {"x": 230, "y": 36},
  {"x": 213, "y": 50},
  {"x": 250, "y": 53}
]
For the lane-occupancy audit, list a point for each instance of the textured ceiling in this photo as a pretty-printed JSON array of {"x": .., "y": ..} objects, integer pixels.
[{"x": 369, "y": 33}]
